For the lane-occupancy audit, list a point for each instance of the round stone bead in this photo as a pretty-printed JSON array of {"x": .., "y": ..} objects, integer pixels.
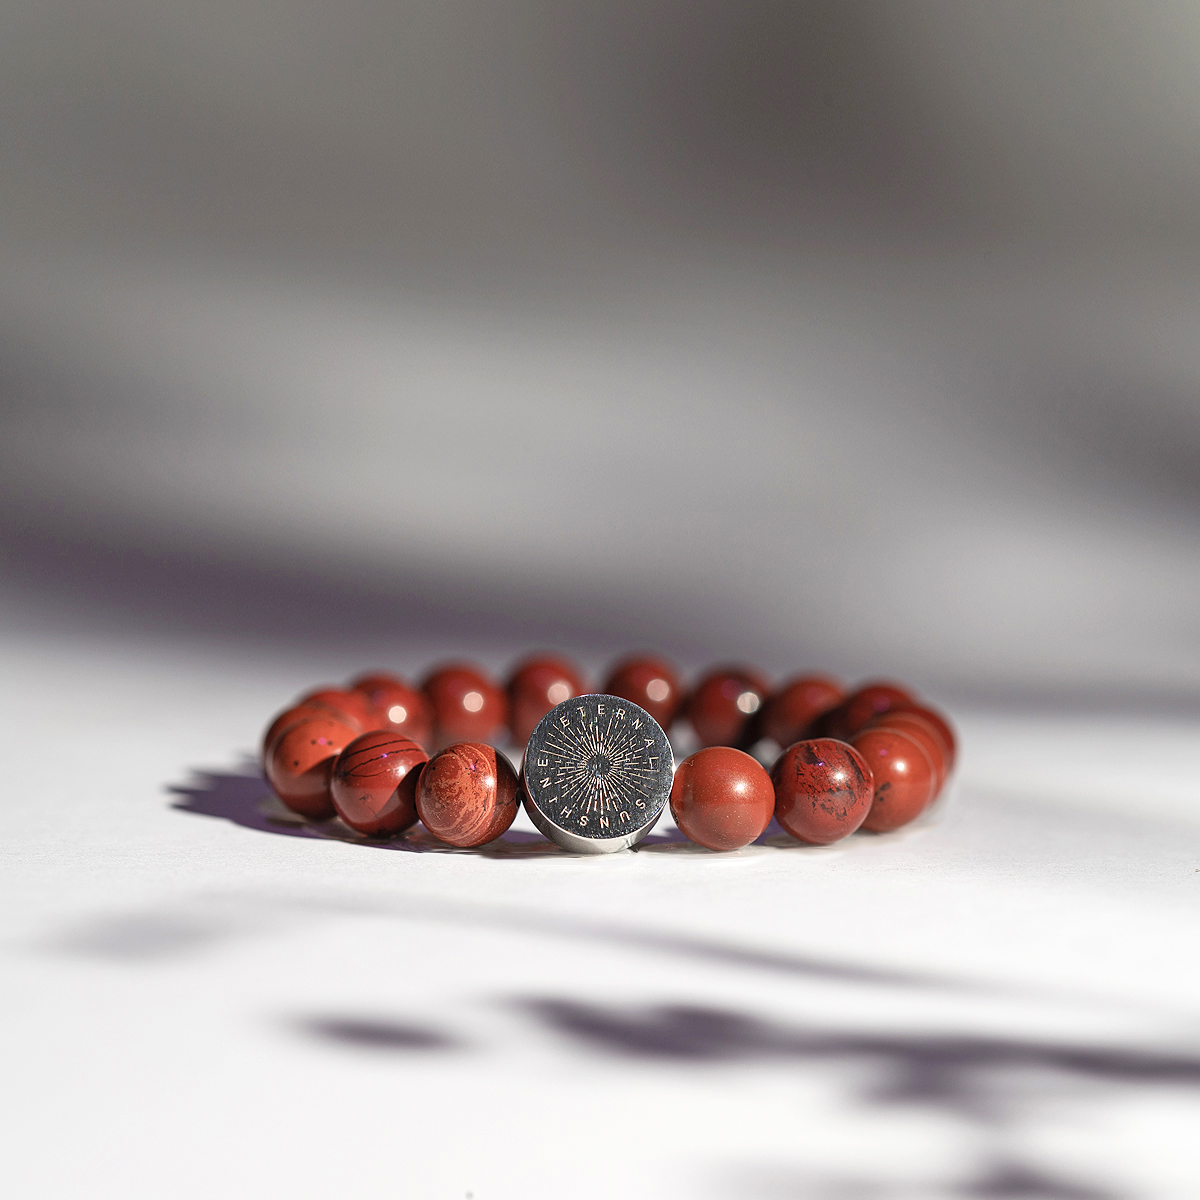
[
  {"x": 845, "y": 719},
  {"x": 722, "y": 706},
  {"x": 651, "y": 684},
  {"x": 926, "y": 735},
  {"x": 373, "y": 784},
  {"x": 941, "y": 723},
  {"x": 293, "y": 716},
  {"x": 467, "y": 705},
  {"x": 904, "y": 777},
  {"x": 300, "y": 762},
  {"x": 535, "y": 687},
  {"x": 792, "y": 708},
  {"x": 823, "y": 790},
  {"x": 401, "y": 708},
  {"x": 468, "y": 794},
  {"x": 722, "y": 798},
  {"x": 346, "y": 701}
]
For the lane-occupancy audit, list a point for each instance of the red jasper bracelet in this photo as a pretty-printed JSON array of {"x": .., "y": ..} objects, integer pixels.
[{"x": 872, "y": 758}]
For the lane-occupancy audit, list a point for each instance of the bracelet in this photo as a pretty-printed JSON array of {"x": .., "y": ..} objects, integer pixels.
[{"x": 598, "y": 768}]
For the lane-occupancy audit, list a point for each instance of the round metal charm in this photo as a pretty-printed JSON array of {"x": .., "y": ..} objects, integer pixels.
[{"x": 597, "y": 774}]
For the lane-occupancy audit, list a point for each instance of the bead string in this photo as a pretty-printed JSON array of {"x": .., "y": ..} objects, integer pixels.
[{"x": 874, "y": 757}]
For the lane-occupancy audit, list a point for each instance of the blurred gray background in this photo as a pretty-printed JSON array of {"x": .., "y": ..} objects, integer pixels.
[{"x": 853, "y": 335}]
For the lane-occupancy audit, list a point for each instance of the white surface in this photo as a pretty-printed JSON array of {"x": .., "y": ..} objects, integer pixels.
[{"x": 1001, "y": 1002}]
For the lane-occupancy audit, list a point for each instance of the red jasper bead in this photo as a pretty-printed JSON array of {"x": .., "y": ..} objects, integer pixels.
[
  {"x": 844, "y": 720},
  {"x": 373, "y": 784},
  {"x": 401, "y": 708},
  {"x": 904, "y": 777},
  {"x": 535, "y": 687},
  {"x": 793, "y": 707},
  {"x": 722, "y": 798},
  {"x": 651, "y": 684},
  {"x": 468, "y": 794},
  {"x": 467, "y": 705},
  {"x": 925, "y": 733},
  {"x": 293, "y": 716},
  {"x": 941, "y": 723},
  {"x": 722, "y": 705},
  {"x": 347, "y": 701},
  {"x": 300, "y": 762},
  {"x": 823, "y": 790}
]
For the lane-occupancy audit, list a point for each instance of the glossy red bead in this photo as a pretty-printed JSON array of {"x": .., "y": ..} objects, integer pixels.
[
  {"x": 651, "y": 683},
  {"x": 301, "y": 760},
  {"x": 467, "y": 705},
  {"x": 722, "y": 798},
  {"x": 791, "y": 709},
  {"x": 823, "y": 790},
  {"x": 535, "y": 687},
  {"x": 722, "y": 706},
  {"x": 347, "y": 701},
  {"x": 293, "y": 715},
  {"x": 941, "y": 723},
  {"x": 373, "y": 784},
  {"x": 925, "y": 733},
  {"x": 468, "y": 794},
  {"x": 846, "y": 718},
  {"x": 401, "y": 708},
  {"x": 904, "y": 777}
]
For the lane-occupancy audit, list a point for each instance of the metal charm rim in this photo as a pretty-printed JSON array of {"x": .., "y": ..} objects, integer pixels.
[{"x": 657, "y": 798}]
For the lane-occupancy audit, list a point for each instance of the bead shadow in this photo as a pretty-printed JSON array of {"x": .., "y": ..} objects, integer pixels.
[{"x": 244, "y": 798}]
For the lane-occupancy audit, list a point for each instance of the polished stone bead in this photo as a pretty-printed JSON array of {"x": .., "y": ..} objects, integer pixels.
[
  {"x": 300, "y": 762},
  {"x": 791, "y": 709},
  {"x": 823, "y": 790},
  {"x": 467, "y": 705},
  {"x": 401, "y": 708},
  {"x": 722, "y": 798},
  {"x": 468, "y": 794},
  {"x": 293, "y": 715},
  {"x": 347, "y": 701},
  {"x": 373, "y": 784},
  {"x": 649, "y": 683},
  {"x": 904, "y": 777},
  {"x": 846, "y": 718},
  {"x": 924, "y": 732},
  {"x": 941, "y": 723},
  {"x": 722, "y": 706},
  {"x": 535, "y": 687}
]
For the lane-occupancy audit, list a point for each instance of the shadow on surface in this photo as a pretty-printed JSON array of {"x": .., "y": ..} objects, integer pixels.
[
  {"x": 245, "y": 799},
  {"x": 984, "y": 1078},
  {"x": 1003, "y": 1177},
  {"x": 367, "y": 1034}
]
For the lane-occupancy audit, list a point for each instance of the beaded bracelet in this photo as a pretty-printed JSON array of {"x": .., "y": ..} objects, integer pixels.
[{"x": 598, "y": 768}]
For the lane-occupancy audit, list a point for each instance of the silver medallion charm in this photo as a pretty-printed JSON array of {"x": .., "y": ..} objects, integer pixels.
[{"x": 597, "y": 774}]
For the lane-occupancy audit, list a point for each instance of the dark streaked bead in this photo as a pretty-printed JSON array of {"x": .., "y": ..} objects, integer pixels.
[
  {"x": 373, "y": 783},
  {"x": 293, "y": 716},
  {"x": 300, "y": 762},
  {"x": 823, "y": 790}
]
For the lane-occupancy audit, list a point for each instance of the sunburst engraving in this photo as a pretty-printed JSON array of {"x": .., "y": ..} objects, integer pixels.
[{"x": 598, "y": 767}]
